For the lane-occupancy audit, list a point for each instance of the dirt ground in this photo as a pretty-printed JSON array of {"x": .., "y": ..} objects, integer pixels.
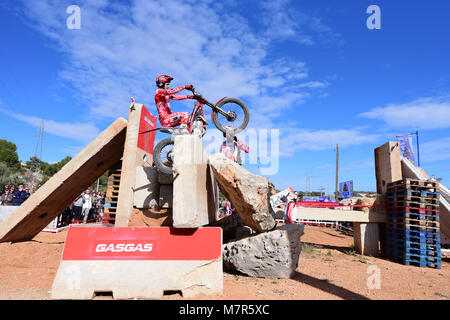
[{"x": 328, "y": 269}]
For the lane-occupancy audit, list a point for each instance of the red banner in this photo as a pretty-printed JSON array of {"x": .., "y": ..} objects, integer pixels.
[
  {"x": 147, "y": 122},
  {"x": 127, "y": 243}
]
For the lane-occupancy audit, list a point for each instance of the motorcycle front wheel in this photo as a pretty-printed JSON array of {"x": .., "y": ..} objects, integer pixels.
[{"x": 239, "y": 115}]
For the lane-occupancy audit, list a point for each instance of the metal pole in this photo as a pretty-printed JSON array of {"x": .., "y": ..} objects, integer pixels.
[
  {"x": 337, "y": 170},
  {"x": 418, "y": 154},
  {"x": 97, "y": 183}
]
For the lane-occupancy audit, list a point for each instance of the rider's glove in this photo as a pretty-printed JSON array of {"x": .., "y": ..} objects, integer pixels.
[{"x": 189, "y": 87}]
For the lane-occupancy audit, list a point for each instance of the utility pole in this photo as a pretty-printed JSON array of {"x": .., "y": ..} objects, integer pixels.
[
  {"x": 38, "y": 149},
  {"x": 307, "y": 182},
  {"x": 337, "y": 172}
]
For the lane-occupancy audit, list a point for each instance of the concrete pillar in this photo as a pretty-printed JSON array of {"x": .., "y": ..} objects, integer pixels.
[
  {"x": 138, "y": 151},
  {"x": 190, "y": 190},
  {"x": 388, "y": 168},
  {"x": 366, "y": 238},
  {"x": 146, "y": 189}
]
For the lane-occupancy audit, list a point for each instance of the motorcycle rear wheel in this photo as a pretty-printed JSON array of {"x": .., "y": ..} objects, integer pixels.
[{"x": 159, "y": 156}]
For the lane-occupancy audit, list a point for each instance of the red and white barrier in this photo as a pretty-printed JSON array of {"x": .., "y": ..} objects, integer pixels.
[{"x": 132, "y": 263}]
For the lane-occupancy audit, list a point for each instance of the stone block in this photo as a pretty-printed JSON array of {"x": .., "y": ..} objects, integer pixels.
[
  {"x": 272, "y": 254},
  {"x": 146, "y": 189},
  {"x": 194, "y": 199}
]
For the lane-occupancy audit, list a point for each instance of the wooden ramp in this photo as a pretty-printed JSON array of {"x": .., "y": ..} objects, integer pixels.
[{"x": 57, "y": 193}]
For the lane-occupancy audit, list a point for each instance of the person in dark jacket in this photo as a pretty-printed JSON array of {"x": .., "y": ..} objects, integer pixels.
[
  {"x": 77, "y": 207},
  {"x": 19, "y": 196},
  {"x": 6, "y": 198}
]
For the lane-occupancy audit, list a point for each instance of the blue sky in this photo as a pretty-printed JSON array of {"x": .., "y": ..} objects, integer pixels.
[{"x": 310, "y": 69}]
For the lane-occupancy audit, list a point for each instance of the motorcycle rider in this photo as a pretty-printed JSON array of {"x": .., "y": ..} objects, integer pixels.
[
  {"x": 231, "y": 146},
  {"x": 163, "y": 95}
]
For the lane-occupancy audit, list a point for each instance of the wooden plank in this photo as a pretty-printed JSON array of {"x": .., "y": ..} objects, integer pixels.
[{"x": 60, "y": 190}]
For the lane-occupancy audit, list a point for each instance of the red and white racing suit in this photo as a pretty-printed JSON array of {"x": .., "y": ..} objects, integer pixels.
[
  {"x": 290, "y": 212},
  {"x": 166, "y": 117},
  {"x": 232, "y": 151}
]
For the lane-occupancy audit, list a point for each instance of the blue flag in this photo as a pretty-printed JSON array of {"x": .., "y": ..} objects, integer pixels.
[{"x": 406, "y": 149}]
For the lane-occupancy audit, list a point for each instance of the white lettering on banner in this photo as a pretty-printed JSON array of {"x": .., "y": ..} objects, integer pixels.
[{"x": 123, "y": 247}]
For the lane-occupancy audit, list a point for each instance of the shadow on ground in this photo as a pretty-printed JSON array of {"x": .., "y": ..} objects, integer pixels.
[{"x": 326, "y": 286}]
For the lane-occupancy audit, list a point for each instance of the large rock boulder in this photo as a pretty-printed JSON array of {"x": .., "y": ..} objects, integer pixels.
[
  {"x": 247, "y": 192},
  {"x": 271, "y": 254}
]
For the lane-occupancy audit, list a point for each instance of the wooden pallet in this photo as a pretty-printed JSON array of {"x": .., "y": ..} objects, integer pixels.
[
  {"x": 420, "y": 244},
  {"x": 423, "y": 263},
  {"x": 405, "y": 203},
  {"x": 417, "y": 222},
  {"x": 413, "y": 235},
  {"x": 406, "y": 209},
  {"x": 414, "y": 184},
  {"x": 405, "y": 251},
  {"x": 404, "y": 198},
  {"x": 413, "y": 227},
  {"x": 416, "y": 216}
]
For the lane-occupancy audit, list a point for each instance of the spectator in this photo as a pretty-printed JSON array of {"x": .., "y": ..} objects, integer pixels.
[
  {"x": 228, "y": 208},
  {"x": 78, "y": 207},
  {"x": 6, "y": 198},
  {"x": 5, "y": 188},
  {"x": 87, "y": 205},
  {"x": 232, "y": 146},
  {"x": 19, "y": 196},
  {"x": 290, "y": 211},
  {"x": 27, "y": 190}
]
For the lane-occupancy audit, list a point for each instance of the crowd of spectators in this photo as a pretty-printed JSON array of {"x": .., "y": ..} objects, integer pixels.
[
  {"x": 12, "y": 196},
  {"x": 87, "y": 207}
]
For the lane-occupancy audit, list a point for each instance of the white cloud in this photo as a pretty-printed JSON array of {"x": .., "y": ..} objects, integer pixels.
[
  {"x": 120, "y": 49},
  {"x": 437, "y": 150},
  {"x": 302, "y": 139},
  {"x": 83, "y": 132},
  {"x": 420, "y": 114}
]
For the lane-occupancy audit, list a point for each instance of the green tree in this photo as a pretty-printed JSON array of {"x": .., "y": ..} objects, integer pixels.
[
  {"x": 46, "y": 169},
  {"x": 8, "y": 155},
  {"x": 7, "y": 176},
  {"x": 102, "y": 183}
]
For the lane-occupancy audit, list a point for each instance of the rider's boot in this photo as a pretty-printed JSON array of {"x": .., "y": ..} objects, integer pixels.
[{"x": 183, "y": 129}]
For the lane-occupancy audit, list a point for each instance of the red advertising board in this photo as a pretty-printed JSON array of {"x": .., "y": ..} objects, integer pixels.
[
  {"x": 132, "y": 243},
  {"x": 147, "y": 122}
]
